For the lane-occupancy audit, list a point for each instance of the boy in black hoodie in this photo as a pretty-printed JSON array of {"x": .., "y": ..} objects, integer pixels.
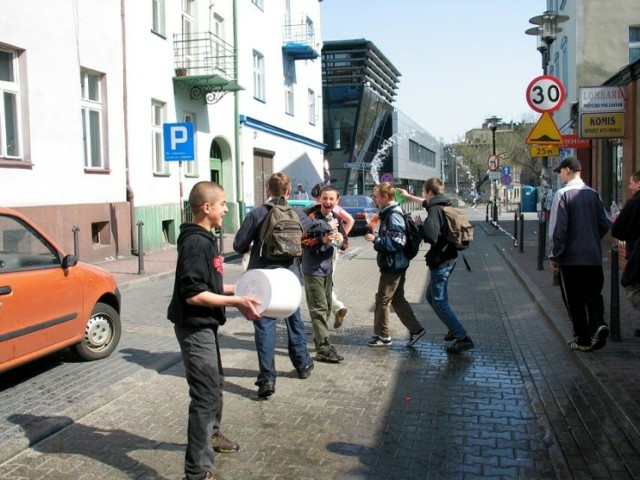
[{"x": 197, "y": 309}]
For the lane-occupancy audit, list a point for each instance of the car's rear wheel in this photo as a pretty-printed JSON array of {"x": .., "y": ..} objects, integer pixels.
[{"x": 102, "y": 333}]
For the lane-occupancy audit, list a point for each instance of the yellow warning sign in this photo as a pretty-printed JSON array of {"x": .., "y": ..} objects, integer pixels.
[{"x": 545, "y": 132}]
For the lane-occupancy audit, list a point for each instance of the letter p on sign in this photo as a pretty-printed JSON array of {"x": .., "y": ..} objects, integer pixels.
[{"x": 178, "y": 141}]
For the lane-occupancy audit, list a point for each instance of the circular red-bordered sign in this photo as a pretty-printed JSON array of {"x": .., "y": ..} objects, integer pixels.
[{"x": 545, "y": 94}]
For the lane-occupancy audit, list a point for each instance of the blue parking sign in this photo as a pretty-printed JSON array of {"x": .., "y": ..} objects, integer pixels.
[{"x": 178, "y": 142}]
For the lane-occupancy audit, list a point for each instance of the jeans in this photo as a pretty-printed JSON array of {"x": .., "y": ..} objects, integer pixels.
[
  {"x": 438, "y": 298},
  {"x": 265, "y": 338},
  {"x": 203, "y": 370}
]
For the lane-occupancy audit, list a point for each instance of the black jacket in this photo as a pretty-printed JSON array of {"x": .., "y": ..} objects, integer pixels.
[
  {"x": 198, "y": 269},
  {"x": 434, "y": 232},
  {"x": 627, "y": 228}
]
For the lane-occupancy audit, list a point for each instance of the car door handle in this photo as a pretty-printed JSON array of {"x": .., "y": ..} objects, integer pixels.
[{"x": 6, "y": 290}]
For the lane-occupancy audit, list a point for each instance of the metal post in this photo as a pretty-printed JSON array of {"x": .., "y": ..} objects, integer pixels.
[
  {"x": 486, "y": 218},
  {"x": 515, "y": 224},
  {"x": 76, "y": 248},
  {"x": 140, "y": 249},
  {"x": 521, "y": 236},
  {"x": 221, "y": 240},
  {"x": 542, "y": 229},
  {"x": 614, "y": 308}
]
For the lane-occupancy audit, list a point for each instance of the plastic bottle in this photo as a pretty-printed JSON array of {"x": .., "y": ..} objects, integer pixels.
[
  {"x": 329, "y": 218},
  {"x": 615, "y": 210},
  {"x": 372, "y": 227}
]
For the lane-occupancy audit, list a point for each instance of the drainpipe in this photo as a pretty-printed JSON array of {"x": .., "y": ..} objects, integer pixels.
[
  {"x": 129, "y": 188},
  {"x": 236, "y": 113}
]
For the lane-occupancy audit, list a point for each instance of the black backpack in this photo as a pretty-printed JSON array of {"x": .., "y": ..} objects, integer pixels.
[
  {"x": 281, "y": 233},
  {"x": 414, "y": 237}
]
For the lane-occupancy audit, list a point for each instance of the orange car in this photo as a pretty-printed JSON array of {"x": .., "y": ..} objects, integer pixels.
[{"x": 49, "y": 300}]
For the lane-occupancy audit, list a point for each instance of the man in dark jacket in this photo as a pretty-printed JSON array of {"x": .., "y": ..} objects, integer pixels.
[
  {"x": 577, "y": 224},
  {"x": 441, "y": 260},
  {"x": 393, "y": 263},
  {"x": 247, "y": 238},
  {"x": 197, "y": 309}
]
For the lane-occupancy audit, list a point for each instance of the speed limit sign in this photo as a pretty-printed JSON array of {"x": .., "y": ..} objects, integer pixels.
[{"x": 545, "y": 94}]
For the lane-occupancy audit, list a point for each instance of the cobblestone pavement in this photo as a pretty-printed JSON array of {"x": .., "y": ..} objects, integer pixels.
[{"x": 520, "y": 405}]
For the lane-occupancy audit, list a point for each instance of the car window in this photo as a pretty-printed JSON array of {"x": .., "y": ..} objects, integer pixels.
[
  {"x": 21, "y": 248},
  {"x": 349, "y": 201}
]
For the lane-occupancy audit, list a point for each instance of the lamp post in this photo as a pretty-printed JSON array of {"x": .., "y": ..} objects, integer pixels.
[
  {"x": 493, "y": 126},
  {"x": 546, "y": 31}
]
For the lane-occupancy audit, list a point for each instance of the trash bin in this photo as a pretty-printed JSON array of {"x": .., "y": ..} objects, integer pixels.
[{"x": 529, "y": 198}]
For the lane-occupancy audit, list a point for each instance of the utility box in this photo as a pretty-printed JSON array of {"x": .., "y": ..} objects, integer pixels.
[{"x": 529, "y": 198}]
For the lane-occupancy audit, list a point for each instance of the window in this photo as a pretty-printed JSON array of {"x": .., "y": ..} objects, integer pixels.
[
  {"x": 219, "y": 40},
  {"x": 191, "y": 166},
  {"x": 91, "y": 109},
  {"x": 10, "y": 137},
  {"x": 258, "y": 3},
  {"x": 187, "y": 33},
  {"x": 160, "y": 167},
  {"x": 157, "y": 17},
  {"x": 312, "y": 107},
  {"x": 288, "y": 93},
  {"x": 634, "y": 44},
  {"x": 258, "y": 76}
]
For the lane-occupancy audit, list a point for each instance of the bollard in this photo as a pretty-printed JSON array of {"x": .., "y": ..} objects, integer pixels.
[
  {"x": 614, "y": 307},
  {"x": 486, "y": 218},
  {"x": 140, "y": 249},
  {"x": 221, "y": 240},
  {"x": 521, "y": 244},
  {"x": 542, "y": 228},
  {"x": 515, "y": 224},
  {"x": 76, "y": 248},
  {"x": 495, "y": 214}
]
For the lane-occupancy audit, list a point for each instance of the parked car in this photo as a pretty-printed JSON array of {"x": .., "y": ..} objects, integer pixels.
[
  {"x": 362, "y": 208},
  {"x": 49, "y": 300}
]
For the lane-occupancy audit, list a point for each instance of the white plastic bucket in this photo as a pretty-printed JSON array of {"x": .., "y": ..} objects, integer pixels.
[{"x": 278, "y": 289}]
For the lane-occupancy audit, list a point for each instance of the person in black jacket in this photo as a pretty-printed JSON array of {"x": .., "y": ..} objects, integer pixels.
[
  {"x": 197, "y": 309},
  {"x": 441, "y": 260},
  {"x": 247, "y": 239},
  {"x": 393, "y": 263},
  {"x": 626, "y": 226}
]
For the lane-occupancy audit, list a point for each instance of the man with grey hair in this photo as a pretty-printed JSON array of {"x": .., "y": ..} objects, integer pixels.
[{"x": 578, "y": 223}]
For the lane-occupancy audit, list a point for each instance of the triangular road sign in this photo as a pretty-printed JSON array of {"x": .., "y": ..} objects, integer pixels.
[{"x": 545, "y": 132}]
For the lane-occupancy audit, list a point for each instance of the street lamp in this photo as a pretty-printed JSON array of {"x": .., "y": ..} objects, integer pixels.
[
  {"x": 493, "y": 122},
  {"x": 546, "y": 30}
]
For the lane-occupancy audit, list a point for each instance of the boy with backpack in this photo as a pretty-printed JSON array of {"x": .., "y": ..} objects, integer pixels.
[
  {"x": 441, "y": 260},
  {"x": 319, "y": 244},
  {"x": 393, "y": 262},
  {"x": 276, "y": 246}
]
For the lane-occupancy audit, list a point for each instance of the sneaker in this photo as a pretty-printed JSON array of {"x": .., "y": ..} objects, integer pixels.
[
  {"x": 449, "y": 336},
  {"x": 599, "y": 338},
  {"x": 329, "y": 356},
  {"x": 340, "y": 314},
  {"x": 207, "y": 476},
  {"x": 574, "y": 345},
  {"x": 414, "y": 337},
  {"x": 377, "y": 341},
  {"x": 458, "y": 346},
  {"x": 267, "y": 389},
  {"x": 305, "y": 372},
  {"x": 222, "y": 444}
]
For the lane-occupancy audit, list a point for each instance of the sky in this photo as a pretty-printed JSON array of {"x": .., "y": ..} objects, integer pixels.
[{"x": 462, "y": 61}]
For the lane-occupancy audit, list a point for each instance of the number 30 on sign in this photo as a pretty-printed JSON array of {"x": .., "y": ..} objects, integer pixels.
[
  {"x": 544, "y": 151},
  {"x": 545, "y": 94}
]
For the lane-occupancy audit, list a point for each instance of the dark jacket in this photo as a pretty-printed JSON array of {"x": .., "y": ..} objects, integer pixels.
[
  {"x": 249, "y": 233},
  {"x": 198, "y": 269},
  {"x": 434, "y": 232},
  {"x": 317, "y": 257},
  {"x": 391, "y": 239},
  {"x": 627, "y": 228}
]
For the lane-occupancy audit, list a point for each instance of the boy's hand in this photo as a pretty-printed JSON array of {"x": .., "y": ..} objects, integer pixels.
[
  {"x": 333, "y": 224},
  {"x": 403, "y": 192},
  {"x": 247, "y": 307},
  {"x": 369, "y": 237}
]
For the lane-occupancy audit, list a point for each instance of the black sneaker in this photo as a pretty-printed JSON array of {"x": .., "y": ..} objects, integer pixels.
[
  {"x": 414, "y": 337},
  {"x": 599, "y": 338},
  {"x": 329, "y": 356},
  {"x": 458, "y": 346},
  {"x": 449, "y": 336},
  {"x": 267, "y": 389},
  {"x": 305, "y": 372},
  {"x": 222, "y": 444}
]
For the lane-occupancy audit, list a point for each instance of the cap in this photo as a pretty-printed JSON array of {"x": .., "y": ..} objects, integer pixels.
[{"x": 571, "y": 162}]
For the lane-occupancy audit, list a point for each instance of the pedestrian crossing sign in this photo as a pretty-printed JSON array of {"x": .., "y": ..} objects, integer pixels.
[{"x": 545, "y": 132}]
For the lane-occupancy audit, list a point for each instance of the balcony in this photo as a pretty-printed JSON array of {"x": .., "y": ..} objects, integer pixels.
[
  {"x": 299, "y": 41},
  {"x": 205, "y": 65}
]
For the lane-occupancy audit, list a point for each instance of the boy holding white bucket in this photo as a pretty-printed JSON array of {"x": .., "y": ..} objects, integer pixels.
[
  {"x": 278, "y": 189},
  {"x": 319, "y": 245},
  {"x": 197, "y": 309}
]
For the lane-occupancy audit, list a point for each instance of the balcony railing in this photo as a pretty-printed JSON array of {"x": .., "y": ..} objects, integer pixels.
[
  {"x": 299, "y": 41},
  {"x": 205, "y": 64}
]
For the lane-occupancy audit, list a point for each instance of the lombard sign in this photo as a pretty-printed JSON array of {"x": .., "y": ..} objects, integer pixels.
[{"x": 601, "y": 99}]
